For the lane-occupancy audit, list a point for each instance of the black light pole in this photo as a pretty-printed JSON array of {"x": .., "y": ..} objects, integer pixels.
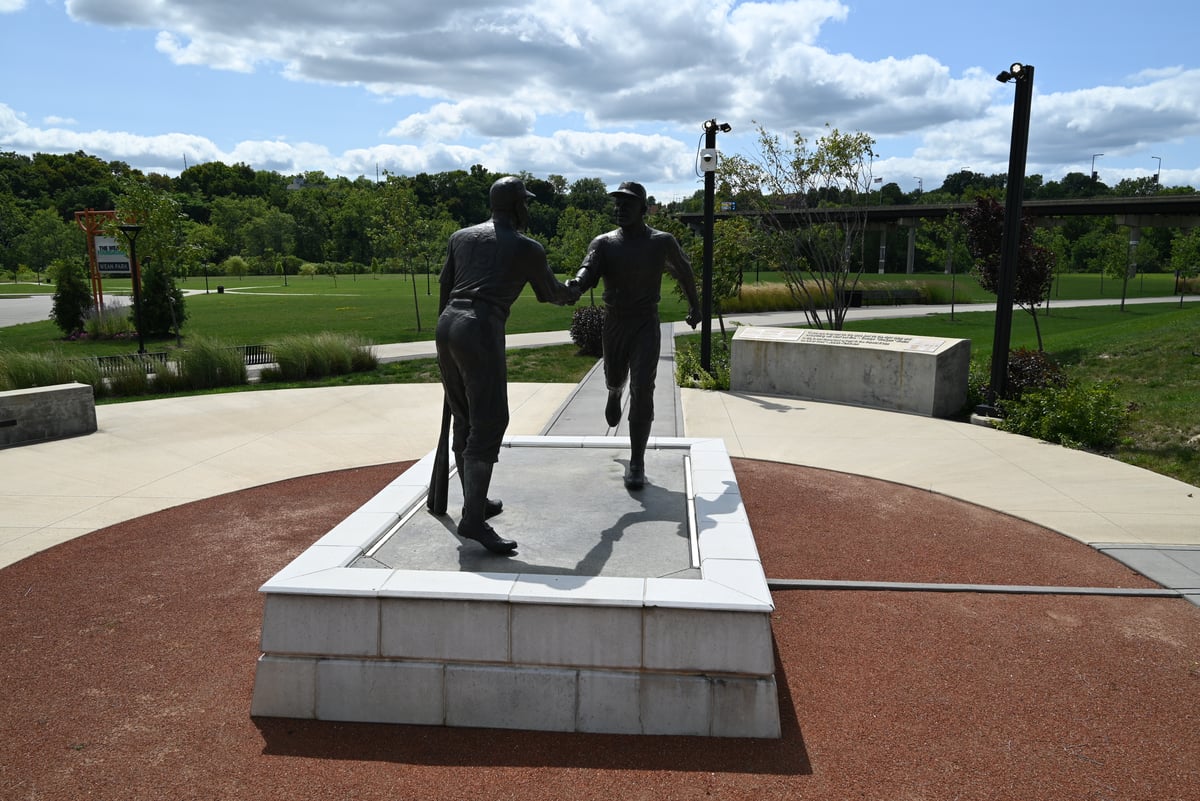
[
  {"x": 708, "y": 163},
  {"x": 1010, "y": 245},
  {"x": 131, "y": 231}
]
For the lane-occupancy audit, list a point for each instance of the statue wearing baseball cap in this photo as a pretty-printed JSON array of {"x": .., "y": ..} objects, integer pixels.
[
  {"x": 630, "y": 261},
  {"x": 487, "y": 267}
]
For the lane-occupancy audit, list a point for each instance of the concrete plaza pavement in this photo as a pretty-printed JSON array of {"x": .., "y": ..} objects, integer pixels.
[{"x": 151, "y": 455}]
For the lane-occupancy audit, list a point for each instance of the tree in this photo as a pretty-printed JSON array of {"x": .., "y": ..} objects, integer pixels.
[
  {"x": 576, "y": 230},
  {"x": 162, "y": 301},
  {"x": 1035, "y": 264},
  {"x": 47, "y": 238},
  {"x": 943, "y": 242},
  {"x": 394, "y": 232},
  {"x": 162, "y": 239},
  {"x": 736, "y": 243},
  {"x": 433, "y": 232},
  {"x": 162, "y": 248},
  {"x": 1185, "y": 258},
  {"x": 72, "y": 295},
  {"x": 12, "y": 224},
  {"x": 815, "y": 249},
  {"x": 272, "y": 232},
  {"x": 590, "y": 194},
  {"x": 350, "y": 224},
  {"x": 1118, "y": 257}
]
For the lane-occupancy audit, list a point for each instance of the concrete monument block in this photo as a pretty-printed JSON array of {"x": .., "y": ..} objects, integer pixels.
[
  {"x": 39, "y": 414},
  {"x": 921, "y": 375}
]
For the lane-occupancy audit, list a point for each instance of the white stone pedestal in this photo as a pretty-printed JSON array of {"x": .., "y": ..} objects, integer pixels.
[{"x": 621, "y": 654}]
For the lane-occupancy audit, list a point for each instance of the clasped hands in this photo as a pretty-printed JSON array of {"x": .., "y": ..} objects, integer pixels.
[{"x": 574, "y": 292}]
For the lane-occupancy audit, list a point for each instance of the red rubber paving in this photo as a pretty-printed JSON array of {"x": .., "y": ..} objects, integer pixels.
[{"x": 128, "y": 662}]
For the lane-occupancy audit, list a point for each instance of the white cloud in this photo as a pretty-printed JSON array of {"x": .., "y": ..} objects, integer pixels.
[
  {"x": 473, "y": 117},
  {"x": 483, "y": 79},
  {"x": 52, "y": 121},
  {"x": 11, "y": 6}
]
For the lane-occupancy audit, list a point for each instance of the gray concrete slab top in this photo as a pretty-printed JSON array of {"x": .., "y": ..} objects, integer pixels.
[{"x": 570, "y": 513}]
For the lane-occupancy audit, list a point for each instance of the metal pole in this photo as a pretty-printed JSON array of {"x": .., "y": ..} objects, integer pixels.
[
  {"x": 131, "y": 231},
  {"x": 710, "y": 184},
  {"x": 1010, "y": 246}
]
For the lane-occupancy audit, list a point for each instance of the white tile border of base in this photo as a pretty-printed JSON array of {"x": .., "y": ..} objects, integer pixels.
[
  {"x": 731, "y": 575},
  {"x": 516, "y": 697}
]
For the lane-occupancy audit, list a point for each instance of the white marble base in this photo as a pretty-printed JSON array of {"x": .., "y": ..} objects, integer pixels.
[{"x": 527, "y": 651}]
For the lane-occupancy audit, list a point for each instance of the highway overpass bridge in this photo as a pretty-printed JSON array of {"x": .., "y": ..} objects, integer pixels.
[{"x": 1159, "y": 211}]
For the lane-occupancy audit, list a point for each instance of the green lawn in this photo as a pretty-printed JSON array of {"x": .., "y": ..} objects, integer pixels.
[
  {"x": 1149, "y": 351},
  {"x": 259, "y": 308}
]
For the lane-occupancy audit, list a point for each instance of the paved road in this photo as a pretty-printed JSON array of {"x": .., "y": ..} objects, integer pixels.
[
  {"x": 18, "y": 309},
  {"x": 15, "y": 310}
]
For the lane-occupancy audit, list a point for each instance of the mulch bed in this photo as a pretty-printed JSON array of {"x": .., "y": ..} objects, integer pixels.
[{"x": 127, "y": 659}]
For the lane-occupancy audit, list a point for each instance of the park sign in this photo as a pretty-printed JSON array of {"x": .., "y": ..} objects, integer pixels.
[{"x": 111, "y": 258}]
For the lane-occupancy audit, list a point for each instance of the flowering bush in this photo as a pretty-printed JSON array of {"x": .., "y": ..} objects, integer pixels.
[{"x": 587, "y": 330}]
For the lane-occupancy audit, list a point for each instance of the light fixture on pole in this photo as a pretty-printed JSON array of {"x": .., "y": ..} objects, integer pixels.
[
  {"x": 1094, "y": 173},
  {"x": 1010, "y": 244},
  {"x": 1158, "y": 172},
  {"x": 131, "y": 231},
  {"x": 708, "y": 163}
]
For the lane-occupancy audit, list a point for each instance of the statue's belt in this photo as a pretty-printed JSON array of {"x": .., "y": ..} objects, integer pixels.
[{"x": 479, "y": 304}]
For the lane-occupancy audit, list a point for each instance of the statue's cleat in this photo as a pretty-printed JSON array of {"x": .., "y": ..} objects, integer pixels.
[
  {"x": 635, "y": 477},
  {"x": 612, "y": 410},
  {"x": 486, "y": 536}
]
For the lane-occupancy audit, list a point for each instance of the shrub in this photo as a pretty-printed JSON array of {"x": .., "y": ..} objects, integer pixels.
[
  {"x": 1027, "y": 370},
  {"x": 1031, "y": 370},
  {"x": 1072, "y": 414},
  {"x": 108, "y": 322},
  {"x": 689, "y": 372},
  {"x": 72, "y": 296},
  {"x": 587, "y": 330}
]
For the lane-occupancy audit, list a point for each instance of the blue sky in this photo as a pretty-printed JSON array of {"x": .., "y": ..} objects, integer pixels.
[{"x": 615, "y": 89}]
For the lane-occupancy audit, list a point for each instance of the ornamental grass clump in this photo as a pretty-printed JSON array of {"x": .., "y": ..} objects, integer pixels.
[
  {"x": 304, "y": 356},
  {"x": 25, "y": 370},
  {"x": 207, "y": 364}
]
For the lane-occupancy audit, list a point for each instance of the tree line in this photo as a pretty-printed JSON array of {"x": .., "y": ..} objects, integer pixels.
[{"x": 233, "y": 219}]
